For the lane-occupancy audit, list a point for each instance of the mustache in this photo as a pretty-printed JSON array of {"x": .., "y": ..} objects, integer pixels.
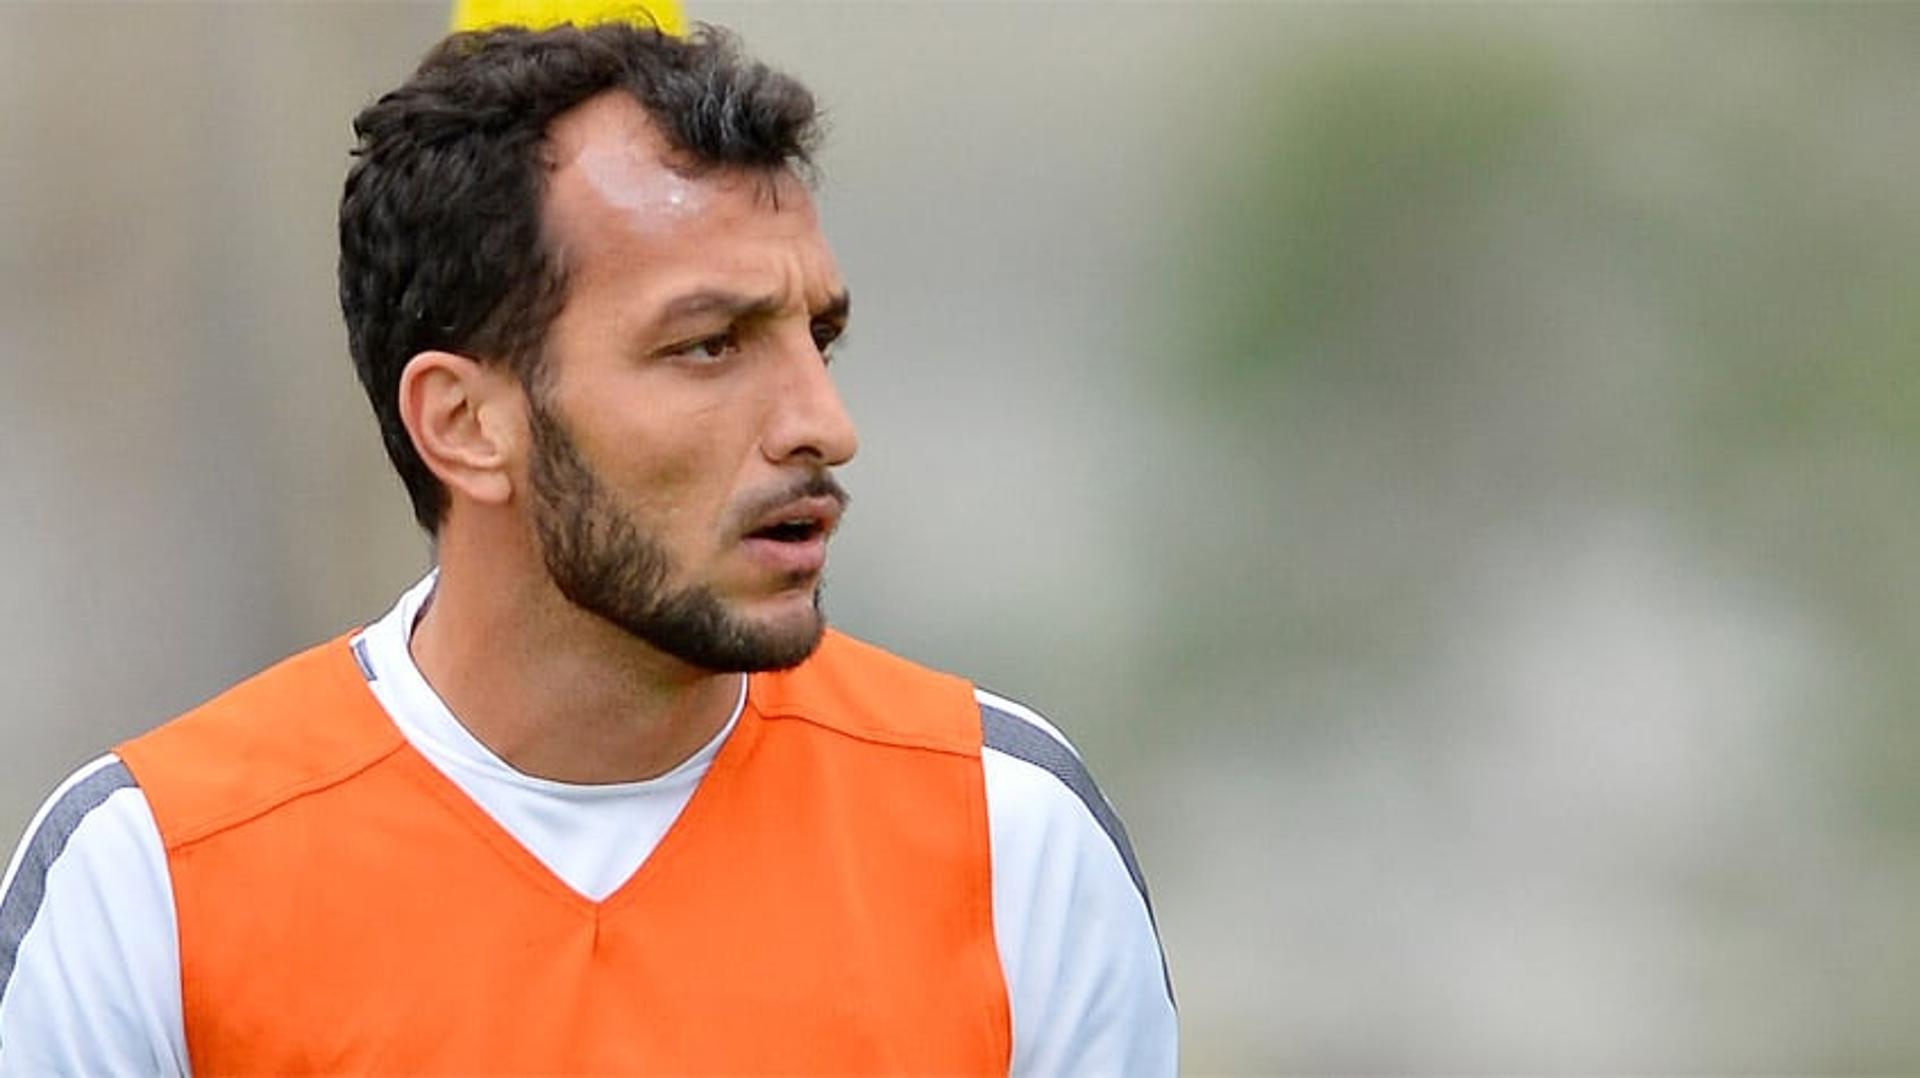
[{"x": 819, "y": 484}]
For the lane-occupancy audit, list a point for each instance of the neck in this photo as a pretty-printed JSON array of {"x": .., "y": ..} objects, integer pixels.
[{"x": 557, "y": 692}]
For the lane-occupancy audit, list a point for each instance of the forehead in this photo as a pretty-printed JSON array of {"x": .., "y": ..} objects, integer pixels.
[{"x": 616, "y": 203}]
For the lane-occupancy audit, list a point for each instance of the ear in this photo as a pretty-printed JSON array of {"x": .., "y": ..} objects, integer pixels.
[{"x": 467, "y": 421}]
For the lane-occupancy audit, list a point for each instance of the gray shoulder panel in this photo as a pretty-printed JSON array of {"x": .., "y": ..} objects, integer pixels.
[
  {"x": 360, "y": 659},
  {"x": 1016, "y": 737},
  {"x": 21, "y": 904},
  {"x": 1023, "y": 740}
]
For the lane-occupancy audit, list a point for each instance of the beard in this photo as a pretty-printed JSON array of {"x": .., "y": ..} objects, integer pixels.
[{"x": 604, "y": 563}]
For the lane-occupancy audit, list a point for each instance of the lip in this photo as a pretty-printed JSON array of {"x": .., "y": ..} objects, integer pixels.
[
  {"x": 790, "y": 558},
  {"x": 822, "y": 511},
  {"x": 795, "y": 559}
]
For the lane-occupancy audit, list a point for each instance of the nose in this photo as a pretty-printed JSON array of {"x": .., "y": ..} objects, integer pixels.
[{"x": 808, "y": 418}]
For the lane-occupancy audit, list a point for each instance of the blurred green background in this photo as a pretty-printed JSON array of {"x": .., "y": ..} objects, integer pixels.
[{"x": 1449, "y": 467}]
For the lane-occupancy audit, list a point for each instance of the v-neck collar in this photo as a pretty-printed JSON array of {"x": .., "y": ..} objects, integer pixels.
[
  {"x": 382, "y": 654},
  {"x": 721, "y": 774}
]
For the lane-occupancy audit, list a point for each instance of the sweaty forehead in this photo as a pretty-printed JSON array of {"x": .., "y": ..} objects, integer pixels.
[{"x": 613, "y": 171}]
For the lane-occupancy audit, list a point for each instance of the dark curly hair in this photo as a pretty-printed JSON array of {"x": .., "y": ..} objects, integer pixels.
[{"x": 441, "y": 244}]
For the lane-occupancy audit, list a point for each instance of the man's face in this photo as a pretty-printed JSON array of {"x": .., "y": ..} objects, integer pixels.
[{"x": 683, "y": 424}]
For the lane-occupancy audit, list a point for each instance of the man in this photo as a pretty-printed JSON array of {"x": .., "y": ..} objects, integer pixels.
[{"x": 601, "y": 793}]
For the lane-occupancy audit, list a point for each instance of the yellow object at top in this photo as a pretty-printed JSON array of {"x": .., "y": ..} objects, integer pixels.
[{"x": 541, "y": 14}]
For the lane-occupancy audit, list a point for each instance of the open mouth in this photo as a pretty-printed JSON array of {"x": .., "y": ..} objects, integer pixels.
[
  {"x": 790, "y": 531},
  {"x": 801, "y": 521}
]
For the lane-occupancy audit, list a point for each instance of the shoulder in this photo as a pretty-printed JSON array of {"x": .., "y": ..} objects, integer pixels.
[
  {"x": 88, "y": 967},
  {"x": 103, "y": 798},
  {"x": 302, "y": 724},
  {"x": 1085, "y": 973},
  {"x": 1038, "y": 785}
]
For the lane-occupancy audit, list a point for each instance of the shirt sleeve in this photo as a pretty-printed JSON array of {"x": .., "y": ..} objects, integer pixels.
[
  {"x": 89, "y": 952},
  {"x": 1086, "y": 977}
]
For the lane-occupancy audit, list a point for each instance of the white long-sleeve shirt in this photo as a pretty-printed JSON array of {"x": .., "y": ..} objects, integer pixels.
[{"x": 89, "y": 951}]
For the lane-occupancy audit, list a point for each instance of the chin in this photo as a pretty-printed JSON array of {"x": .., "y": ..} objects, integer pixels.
[
  {"x": 764, "y": 649},
  {"x": 702, "y": 630},
  {"x": 787, "y": 639}
]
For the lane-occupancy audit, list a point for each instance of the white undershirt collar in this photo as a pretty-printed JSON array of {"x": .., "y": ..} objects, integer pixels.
[{"x": 593, "y": 836}]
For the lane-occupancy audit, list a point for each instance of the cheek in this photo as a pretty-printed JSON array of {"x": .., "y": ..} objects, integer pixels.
[
  {"x": 679, "y": 455},
  {"x": 684, "y": 488}
]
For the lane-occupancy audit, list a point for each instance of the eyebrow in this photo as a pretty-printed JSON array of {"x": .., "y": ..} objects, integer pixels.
[{"x": 738, "y": 307}]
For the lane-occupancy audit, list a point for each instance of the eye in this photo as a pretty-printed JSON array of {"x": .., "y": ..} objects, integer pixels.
[
  {"x": 826, "y": 334},
  {"x": 717, "y": 346}
]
